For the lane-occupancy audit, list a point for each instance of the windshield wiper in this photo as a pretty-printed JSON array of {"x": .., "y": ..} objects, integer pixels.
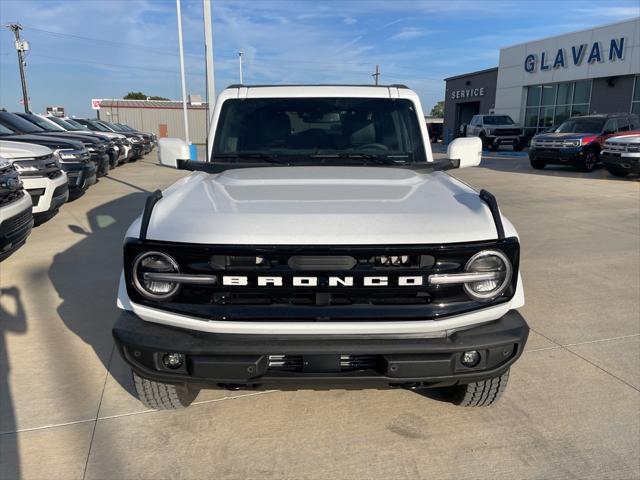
[
  {"x": 370, "y": 157},
  {"x": 269, "y": 158}
]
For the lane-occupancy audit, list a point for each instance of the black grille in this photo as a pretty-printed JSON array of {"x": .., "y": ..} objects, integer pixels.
[
  {"x": 18, "y": 222},
  {"x": 343, "y": 363},
  {"x": 326, "y": 299},
  {"x": 507, "y": 131}
]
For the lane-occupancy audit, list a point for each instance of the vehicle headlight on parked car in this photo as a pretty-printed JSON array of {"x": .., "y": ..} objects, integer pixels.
[
  {"x": 493, "y": 271},
  {"x": 571, "y": 143},
  {"x": 25, "y": 168},
  {"x": 151, "y": 275},
  {"x": 63, "y": 155},
  {"x": 134, "y": 139},
  {"x": 534, "y": 142}
]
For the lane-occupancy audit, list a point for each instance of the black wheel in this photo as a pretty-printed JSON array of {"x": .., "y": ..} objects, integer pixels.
[
  {"x": 589, "y": 161},
  {"x": 494, "y": 147},
  {"x": 537, "y": 163},
  {"x": 617, "y": 171},
  {"x": 479, "y": 394},
  {"x": 485, "y": 144},
  {"x": 163, "y": 396}
]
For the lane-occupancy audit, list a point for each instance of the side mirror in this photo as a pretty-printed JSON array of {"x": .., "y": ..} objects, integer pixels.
[
  {"x": 467, "y": 151},
  {"x": 172, "y": 149}
]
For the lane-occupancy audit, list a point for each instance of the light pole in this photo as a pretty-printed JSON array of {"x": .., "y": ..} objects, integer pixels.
[
  {"x": 21, "y": 47},
  {"x": 240, "y": 65},
  {"x": 208, "y": 51},
  {"x": 184, "y": 85},
  {"x": 376, "y": 75}
]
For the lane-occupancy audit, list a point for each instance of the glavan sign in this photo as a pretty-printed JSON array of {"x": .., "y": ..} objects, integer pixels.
[{"x": 563, "y": 58}]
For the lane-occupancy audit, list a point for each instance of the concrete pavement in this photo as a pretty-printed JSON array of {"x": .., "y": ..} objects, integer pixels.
[{"x": 572, "y": 408}]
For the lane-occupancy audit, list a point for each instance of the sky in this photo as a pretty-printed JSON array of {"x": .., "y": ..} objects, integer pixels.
[{"x": 84, "y": 49}]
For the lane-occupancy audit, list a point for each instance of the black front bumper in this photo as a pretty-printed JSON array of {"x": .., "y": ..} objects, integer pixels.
[
  {"x": 14, "y": 232},
  {"x": 615, "y": 160},
  {"x": 557, "y": 156},
  {"x": 374, "y": 360},
  {"x": 81, "y": 176},
  {"x": 102, "y": 163}
]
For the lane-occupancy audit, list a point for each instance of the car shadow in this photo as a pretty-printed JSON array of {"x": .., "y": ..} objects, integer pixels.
[
  {"x": 86, "y": 277},
  {"x": 12, "y": 320}
]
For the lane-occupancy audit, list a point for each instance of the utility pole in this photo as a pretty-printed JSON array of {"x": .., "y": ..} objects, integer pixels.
[
  {"x": 21, "y": 47},
  {"x": 208, "y": 52},
  {"x": 184, "y": 85},
  {"x": 377, "y": 74},
  {"x": 240, "y": 64}
]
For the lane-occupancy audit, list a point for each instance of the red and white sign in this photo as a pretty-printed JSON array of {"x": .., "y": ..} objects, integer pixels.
[{"x": 95, "y": 103}]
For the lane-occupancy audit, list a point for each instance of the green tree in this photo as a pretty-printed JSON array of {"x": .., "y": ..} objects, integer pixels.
[
  {"x": 142, "y": 96},
  {"x": 438, "y": 109}
]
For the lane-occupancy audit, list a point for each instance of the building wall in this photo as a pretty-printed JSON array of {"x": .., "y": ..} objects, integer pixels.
[
  {"x": 612, "y": 95},
  {"x": 469, "y": 84},
  {"x": 513, "y": 76},
  {"x": 149, "y": 119}
]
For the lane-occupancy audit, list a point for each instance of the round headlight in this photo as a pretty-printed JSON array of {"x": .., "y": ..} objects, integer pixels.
[
  {"x": 150, "y": 263},
  {"x": 488, "y": 261}
]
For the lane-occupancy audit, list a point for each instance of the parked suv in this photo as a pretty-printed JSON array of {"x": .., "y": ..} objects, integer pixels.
[
  {"x": 579, "y": 140},
  {"x": 33, "y": 124},
  {"x": 320, "y": 244},
  {"x": 621, "y": 154},
  {"x": 41, "y": 174},
  {"x": 496, "y": 130},
  {"x": 135, "y": 140},
  {"x": 73, "y": 158},
  {"x": 16, "y": 218},
  {"x": 125, "y": 151}
]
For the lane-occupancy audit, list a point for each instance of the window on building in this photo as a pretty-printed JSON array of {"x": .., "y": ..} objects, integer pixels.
[
  {"x": 549, "y": 105},
  {"x": 635, "y": 103}
]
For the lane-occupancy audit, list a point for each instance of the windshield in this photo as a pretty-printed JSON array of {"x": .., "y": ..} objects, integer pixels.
[
  {"x": 582, "y": 125},
  {"x": 5, "y": 131},
  {"x": 64, "y": 124},
  {"x": 95, "y": 126},
  {"x": 108, "y": 126},
  {"x": 73, "y": 123},
  {"x": 498, "y": 120},
  {"x": 20, "y": 125},
  {"x": 319, "y": 128},
  {"x": 43, "y": 124}
]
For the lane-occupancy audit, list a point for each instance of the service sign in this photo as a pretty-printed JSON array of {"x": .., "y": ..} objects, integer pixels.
[
  {"x": 95, "y": 103},
  {"x": 467, "y": 93}
]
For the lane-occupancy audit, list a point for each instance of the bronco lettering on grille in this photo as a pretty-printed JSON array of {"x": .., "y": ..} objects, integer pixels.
[{"x": 307, "y": 281}]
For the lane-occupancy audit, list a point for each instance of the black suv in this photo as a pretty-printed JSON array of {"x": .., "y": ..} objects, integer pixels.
[
  {"x": 135, "y": 139},
  {"x": 578, "y": 140}
]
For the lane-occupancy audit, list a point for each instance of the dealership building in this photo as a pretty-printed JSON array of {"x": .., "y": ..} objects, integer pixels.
[{"x": 544, "y": 82}]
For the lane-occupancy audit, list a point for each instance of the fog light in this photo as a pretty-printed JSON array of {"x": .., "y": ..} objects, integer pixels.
[
  {"x": 173, "y": 360},
  {"x": 470, "y": 359}
]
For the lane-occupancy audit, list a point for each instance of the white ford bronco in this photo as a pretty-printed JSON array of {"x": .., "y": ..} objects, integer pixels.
[{"x": 320, "y": 245}]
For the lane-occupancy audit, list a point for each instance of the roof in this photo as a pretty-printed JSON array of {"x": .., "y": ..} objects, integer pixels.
[
  {"x": 478, "y": 72},
  {"x": 169, "y": 104},
  {"x": 395, "y": 85}
]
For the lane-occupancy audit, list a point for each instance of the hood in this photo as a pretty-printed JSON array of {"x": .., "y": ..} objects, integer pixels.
[
  {"x": 47, "y": 141},
  {"x": 626, "y": 137},
  {"x": 78, "y": 137},
  {"x": 563, "y": 136},
  {"x": 320, "y": 205},
  {"x": 18, "y": 150},
  {"x": 503, "y": 125}
]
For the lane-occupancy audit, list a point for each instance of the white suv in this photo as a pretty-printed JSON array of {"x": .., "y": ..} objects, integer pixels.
[
  {"x": 320, "y": 243},
  {"x": 40, "y": 172},
  {"x": 16, "y": 218}
]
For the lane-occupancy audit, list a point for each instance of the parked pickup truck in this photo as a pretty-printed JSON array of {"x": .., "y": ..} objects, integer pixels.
[
  {"x": 41, "y": 174},
  {"x": 16, "y": 218},
  {"x": 496, "y": 130},
  {"x": 320, "y": 244}
]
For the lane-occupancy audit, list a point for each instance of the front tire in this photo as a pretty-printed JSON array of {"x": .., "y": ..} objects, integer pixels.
[
  {"x": 537, "y": 163},
  {"x": 617, "y": 171},
  {"x": 479, "y": 394},
  {"x": 589, "y": 161},
  {"x": 163, "y": 396}
]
